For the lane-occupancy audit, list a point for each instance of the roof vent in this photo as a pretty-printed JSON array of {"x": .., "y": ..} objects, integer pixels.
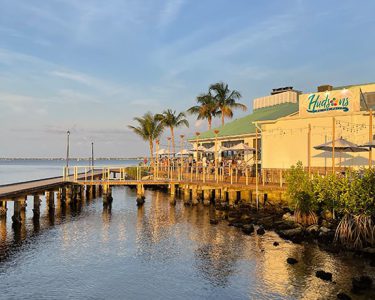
[
  {"x": 324, "y": 88},
  {"x": 281, "y": 90}
]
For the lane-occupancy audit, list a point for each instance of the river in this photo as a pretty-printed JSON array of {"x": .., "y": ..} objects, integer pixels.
[{"x": 157, "y": 251}]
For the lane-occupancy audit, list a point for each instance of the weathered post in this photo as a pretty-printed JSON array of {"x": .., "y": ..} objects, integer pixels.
[
  {"x": 194, "y": 195},
  {"x": 107, "y": 195},
  {"x": 206, "y": 197},
  {"x": 232, "y": 197},
  {"x": 140, "y": 194},
  {"x": 36, "y": 209},
  {"x": 16, "y": 218},
  {"x": 50, "y": 199},
  {"x": 245, "y": 195},
  {"x": 172, "y": 188},
  {"x": 3, "y": 208}
]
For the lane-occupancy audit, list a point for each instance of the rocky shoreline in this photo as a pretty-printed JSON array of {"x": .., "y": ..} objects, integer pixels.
[{"x": 280, "y": 220}]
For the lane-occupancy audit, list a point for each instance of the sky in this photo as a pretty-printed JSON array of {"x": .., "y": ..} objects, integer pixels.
[{"x": 91, "y": 66}]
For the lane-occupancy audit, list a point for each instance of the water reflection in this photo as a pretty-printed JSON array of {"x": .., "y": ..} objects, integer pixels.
[{"x": 157, "y": 250}]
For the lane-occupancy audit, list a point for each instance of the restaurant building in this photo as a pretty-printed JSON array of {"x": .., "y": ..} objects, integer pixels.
[
  {"x": 330, "y": 113},
  {"x": 290, "y": 123}
]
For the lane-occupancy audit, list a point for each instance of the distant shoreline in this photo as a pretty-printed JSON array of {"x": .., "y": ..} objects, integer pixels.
[{"x": 70, "y": 159}]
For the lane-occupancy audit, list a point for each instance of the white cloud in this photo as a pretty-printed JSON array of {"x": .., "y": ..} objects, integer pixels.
[{"x": 170, "y": 12}]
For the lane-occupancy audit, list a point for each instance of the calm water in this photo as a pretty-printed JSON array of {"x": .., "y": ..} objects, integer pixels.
[{"x": 157, "y": 252}]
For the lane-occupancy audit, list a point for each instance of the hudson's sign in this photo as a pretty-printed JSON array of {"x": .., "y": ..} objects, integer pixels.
[
  {"x": 318, "y": 104},
  {"x": 329, "y": 103}
]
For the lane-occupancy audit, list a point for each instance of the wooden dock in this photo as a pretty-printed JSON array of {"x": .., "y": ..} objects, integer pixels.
[{"x": 193, "y": 184}]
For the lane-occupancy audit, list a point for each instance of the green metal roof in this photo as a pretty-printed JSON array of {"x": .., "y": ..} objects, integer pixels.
[{"x": 245, "y": 125}]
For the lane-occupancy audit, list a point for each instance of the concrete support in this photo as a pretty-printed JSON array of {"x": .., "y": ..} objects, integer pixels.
[
  {"x": 68, "y": 193},
  {"x": 186, "y": 192},
  {"x": 107, "y": 195},
  {"x": 50, "y": 198},
  {"x": 3, "y": 209},
  {"x": 194, "y": 195},
  {"x": 140, "y": 194},
  {"x": 93, "y": 191},
  {"x": 23, "y": 203},
  {"x": 232, "y": 195},
  {"x": 172, "y": 188},
  {"x": 206, "y": 196},
  {"x": 62, "y": 193},
  {"x": 246, "y": 196},
  {"x": 88, "y": 192},
  {"x": 36, "y": 209},
  {"x": 16, "y": 218}
]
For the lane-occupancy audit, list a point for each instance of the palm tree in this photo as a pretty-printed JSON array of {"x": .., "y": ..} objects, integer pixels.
[
  {"x": 207, "y": 108},
  {"x": 149, "y": 128},
  {"x": 169, "y": 118},
  {"x": 226, "y": 100}
]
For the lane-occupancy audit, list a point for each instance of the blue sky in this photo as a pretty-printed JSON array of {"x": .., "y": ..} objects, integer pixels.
[{"x": 90, "y": 66}]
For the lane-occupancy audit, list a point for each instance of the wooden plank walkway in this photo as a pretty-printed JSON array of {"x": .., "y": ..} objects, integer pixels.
[{"x": 14, "y": 190}]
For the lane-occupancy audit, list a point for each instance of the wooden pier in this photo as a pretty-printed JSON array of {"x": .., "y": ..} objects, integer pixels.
[{"x": 194, "y": 184}]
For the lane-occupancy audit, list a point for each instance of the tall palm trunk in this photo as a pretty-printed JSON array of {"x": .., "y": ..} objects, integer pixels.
[
  {"x": 173, "y": 143},
  {"x": 209, "y": 123},
  {"x": 222, "y": 119},
  {"x": 151, "y": 151}
]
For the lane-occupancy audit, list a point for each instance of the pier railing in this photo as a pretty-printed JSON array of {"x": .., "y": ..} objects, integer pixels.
[{"x": 181, "y": 174}]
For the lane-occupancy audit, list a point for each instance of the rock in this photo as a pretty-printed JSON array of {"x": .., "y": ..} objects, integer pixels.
[
  {"x": 291, "y": 261},
  {"x": 324, "y": 229},
  {"x": 275, "y": 244},
  {"x": 326, "y": 237},
  {"x": 214, "y": 221},
  {"x": 260, "y": 230},
  {"x": 248, "y": 228},
  {"x": 369, "y": 250},
  {"x": 343, "y": 296},
  {"x": 295, "y": 235},
  {"x": 288, "y": 217},
  {"x": 324, "y": 275},
  {"x": 246, "y": 219},
  {"x": 313, "y": 229},
  {"x": 238, "y": 225},
  {"x": 284, "y": 225},
  {"x": 266, "y": 222},
  {"x": 361, "y": 283}
]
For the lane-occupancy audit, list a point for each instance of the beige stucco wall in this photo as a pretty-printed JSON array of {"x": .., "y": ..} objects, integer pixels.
[{"x": 284, "y": 142}]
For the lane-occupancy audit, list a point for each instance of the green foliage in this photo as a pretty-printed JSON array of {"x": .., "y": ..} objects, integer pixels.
[
  {"x": 170, "y": 118},
  {"x": 206, "y": 108},
  {"x": 226, "y": 100},
  {"x": 358, "y": 195},
  {"x": 329, "y": 190},
  {"x": 298, "y": 185},
  {"x": 131, "y": 172},
  {"x": 149, "y": 127},
  {"x": 301, "y": 196}
]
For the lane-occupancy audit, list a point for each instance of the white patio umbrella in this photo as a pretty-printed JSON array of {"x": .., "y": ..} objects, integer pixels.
[
  {"x": 241, "y": 147},
  {"x": 200, "y": 149},
  {"x": 219, "y": 149},
  {"x": 341, "y": 145},
  {"x": 368, "y": 144},
  {"x": 183, "y": 152},
  {"x": 161, "y": 152},
  {"x": 327, "y": 154}
]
